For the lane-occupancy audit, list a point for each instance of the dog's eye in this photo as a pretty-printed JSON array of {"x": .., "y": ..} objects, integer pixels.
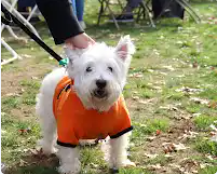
[
  {"x": 89, "y": 69},
  {"x": 110, "y": 68}
]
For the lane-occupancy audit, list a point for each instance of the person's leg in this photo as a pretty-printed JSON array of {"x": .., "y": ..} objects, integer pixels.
[
  {"x": 131, "y": 5},
  {"x": 80, "y": 9},
  {"x": 80, "y": 12},
  {"x": 127, "y": 15},
  {"x": 74, "y": 7},
  {"x": 157, "y": 7}
]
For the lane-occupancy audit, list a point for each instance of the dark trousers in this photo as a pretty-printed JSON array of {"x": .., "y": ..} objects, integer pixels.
[
  {"x": 173, "y": 10},
  {"x": 22, "y": 5}
]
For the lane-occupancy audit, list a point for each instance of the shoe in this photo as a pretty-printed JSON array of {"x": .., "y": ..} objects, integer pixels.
[
  {"x": 168, "y": 14},
  {"x": 82, "y": 24},
  {"x": 123, "y": 18}
]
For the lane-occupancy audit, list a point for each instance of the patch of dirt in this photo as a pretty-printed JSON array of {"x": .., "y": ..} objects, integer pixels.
[
  {"x": 10, "y": 80},
  {"x": 31, "y": 160},
  {"x": 10, "y": 83},
  {"x": 24, "y": 113}
]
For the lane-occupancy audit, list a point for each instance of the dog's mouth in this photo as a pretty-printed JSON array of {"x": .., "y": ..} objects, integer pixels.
[{"x": 98, "y": 93}]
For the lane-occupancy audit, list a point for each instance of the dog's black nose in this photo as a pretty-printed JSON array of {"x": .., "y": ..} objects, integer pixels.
[{"x": 101, "y": 84}]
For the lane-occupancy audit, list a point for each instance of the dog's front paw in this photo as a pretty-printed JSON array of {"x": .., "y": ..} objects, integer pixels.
[
  {"x": 68, "y": 169},
  {"x": 128, "y": 163},
  {"x": 47, "y": 148}
]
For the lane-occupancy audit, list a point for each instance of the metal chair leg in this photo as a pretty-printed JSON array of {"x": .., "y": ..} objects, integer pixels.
[
  {"x": 189, "y": 9},
  {"x": 146, "y": 10},
  {"x": 7, "y": 5},
  {"x": 100, "y": 12},
  {"x": 14, "y": 54},
  {"x": 113, "y": 16}
]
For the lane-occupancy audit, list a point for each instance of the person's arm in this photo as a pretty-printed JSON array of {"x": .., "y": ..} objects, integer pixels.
[{"x": 60, "y": 19}]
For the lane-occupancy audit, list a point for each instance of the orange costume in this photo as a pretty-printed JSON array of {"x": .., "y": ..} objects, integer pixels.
[{"x": 74, "y": 122}]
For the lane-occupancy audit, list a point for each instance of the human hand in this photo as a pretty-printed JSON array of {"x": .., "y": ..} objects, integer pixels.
[{"x": 80, "y": 41}]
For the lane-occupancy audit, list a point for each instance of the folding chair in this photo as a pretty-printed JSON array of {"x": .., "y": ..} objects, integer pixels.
[
  {"x": 144, "y": 11},
  {"x": 105, "y": 10},
  {"x": 11, "y": 8},
  {"x": 185, "y": 5}
]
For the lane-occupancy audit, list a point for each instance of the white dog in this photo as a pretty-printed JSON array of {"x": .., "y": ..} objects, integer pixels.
[{"x": 84, "y": 101}]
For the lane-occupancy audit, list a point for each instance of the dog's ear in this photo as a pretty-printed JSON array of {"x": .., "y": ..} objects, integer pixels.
[
  {"x": 125, "y": 48},
  {"x": 72, "y": 54}
]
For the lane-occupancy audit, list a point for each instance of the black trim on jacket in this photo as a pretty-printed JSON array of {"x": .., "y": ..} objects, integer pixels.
[{"x": 122, "y": 132}]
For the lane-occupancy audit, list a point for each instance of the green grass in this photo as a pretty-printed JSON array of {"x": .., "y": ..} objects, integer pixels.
[
  {"x": 134, "y": 171},
  {"x": 209, "y": 170},
  {"x": 173, "y": 55},
  {"x": 32, "y": 88},
  {"x": 13, "y": 141},
  {"x": 160, "y": 159},
  {"x": 203, "y": 122},
  {"x": 148, "y": 127},
  {"x": 156, "y": 124},
  {"x": 10, "y": 102},
  {"x": 206, "y": 146}
]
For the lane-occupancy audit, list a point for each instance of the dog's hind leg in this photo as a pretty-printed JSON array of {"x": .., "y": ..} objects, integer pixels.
[
  {"x": 44, "y": 109},
  {"x": 48, "y": 124}
]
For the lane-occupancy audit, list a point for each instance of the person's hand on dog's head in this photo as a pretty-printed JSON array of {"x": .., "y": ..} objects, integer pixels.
[{"x": 80, "y": 41}]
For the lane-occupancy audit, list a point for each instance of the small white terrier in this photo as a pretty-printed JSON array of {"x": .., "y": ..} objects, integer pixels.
[{"x": 94, "y": 80}]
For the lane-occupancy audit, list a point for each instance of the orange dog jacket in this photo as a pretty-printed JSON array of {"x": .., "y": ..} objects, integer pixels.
[{"x": 74, "y": 122}]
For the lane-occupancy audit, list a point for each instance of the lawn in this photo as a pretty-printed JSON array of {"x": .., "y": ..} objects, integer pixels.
[{"x": 171, "y": 94}]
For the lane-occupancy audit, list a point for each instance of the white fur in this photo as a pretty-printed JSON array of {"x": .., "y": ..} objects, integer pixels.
[{"x": 98, "y": 57}]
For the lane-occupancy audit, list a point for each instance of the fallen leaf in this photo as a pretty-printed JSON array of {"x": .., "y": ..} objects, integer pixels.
[
  {"x": 180, "y": 146},
  {"x": 169, "y": 68},
  {"x": 136, "y": 75},
  {"x": 158, "y": 132},
  {"x": 156, "y": 52},
  {"x": 212, "y": 105},
  {"x": 189, "y": 166},
  {"x": 25, "y": 131},
  {"x": 151, "y": 138},
  {"x": 188, "y": 90},
  {"x": 34, "y": 78},
  {"x": 199, "y": 100},
  {"x": 188, "y": 135},
  {"x": 135, "y": 92},
  {"x": 169, "y": 107},
  {"x": 195, "y": 65},
  {"x": 214, "y": 133},
  {"x": 213, "y": 127},
  {"x": 150, "y": 70},
  {"x": 26, "y": 55},
  {"x": 12, "y": 94},
  {"x": 154, "y": 167},
  {"x": 172, "y": 147}
]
